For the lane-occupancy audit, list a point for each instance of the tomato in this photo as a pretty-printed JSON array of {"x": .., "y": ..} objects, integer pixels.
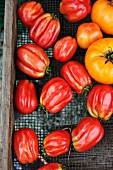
[
  {"x": 75, "y": 10},
  {"x": 57, "y": 143},
  {"x": 77, "y": 76},
  {"x": 32, "y": 60},
  {"x": 87, "y": 33},
  {"x": 51, "y": 166},
  {"x": 55, "y": 95},
  {"x": 100, "y": 102},
  {"x": 87, "y": 134},
  {"x": 102, "y": 14},
  {"x": 26, "y": 145},
  {"x": 25, "y": 98},
  {"x": 45, "y": 30},
  {"x": 65, "y": 48},
  {"x": 29, "y": 11},
  {"x": 99, "y": 60}
]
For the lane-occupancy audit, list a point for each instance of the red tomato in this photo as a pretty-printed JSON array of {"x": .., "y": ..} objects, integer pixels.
[
  {"x": 55, "y": 95},
  {"x": 32, "y": 60},
  {"x": 87, "y": 33},
  {"x": 87, "y": 134},
  {"x": 77, "y": 76},
  {"x": 25, "y": 98},
  {"x": 26, "y": 145},
  {"x": 57, "y": 143},
  {"x": 45, "y": 30},
  {"x": 65, "y": 48},
  {"x": 100, "y": 102},
  {"x": 75, "y": 10},
  {"x": 51, "y": 166},
  {"x": 29, "y": 11}
]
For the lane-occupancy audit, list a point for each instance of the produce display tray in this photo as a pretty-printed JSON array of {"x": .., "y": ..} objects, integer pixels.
[{"x": 98, "y": 158}]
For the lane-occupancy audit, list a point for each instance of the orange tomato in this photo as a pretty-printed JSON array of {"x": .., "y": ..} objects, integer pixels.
[
  {"x": 102, "y": 14},
  {"x": 87, "y": 33},
  {"x": 99, "y": 60}
]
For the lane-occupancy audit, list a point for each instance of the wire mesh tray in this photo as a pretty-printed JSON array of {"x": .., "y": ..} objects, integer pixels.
[{"x": 98, "y": 158}]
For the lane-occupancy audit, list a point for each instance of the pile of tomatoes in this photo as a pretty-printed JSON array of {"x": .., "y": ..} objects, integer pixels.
[{"x": 32, "y": 60}]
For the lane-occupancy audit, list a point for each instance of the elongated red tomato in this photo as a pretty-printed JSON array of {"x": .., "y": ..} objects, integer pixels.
[
  {"x": 65, "y": 48},
  {"x": 57, "y": 143},
  {"x": 51, "y": 166},
  {"x": 75, "y": 10},
  {"x": 26, "y": 145},
  {"x": 87, "y": 134},
  {"x": 77, "y": 76},
  {"x": 32, "y": 60},
  {"x": 29, "y": 11},
  {"x": 45, "y": 30},
  {"x": 100, "y": 102},
  {"x": 25, "y": 98},
  {"x": 55, "y": 95}
]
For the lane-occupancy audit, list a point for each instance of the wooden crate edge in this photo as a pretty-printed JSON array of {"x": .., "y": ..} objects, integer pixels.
[{"x": 8, "y": 79}]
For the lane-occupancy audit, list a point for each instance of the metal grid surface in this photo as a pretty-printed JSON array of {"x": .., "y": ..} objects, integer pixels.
[{"x": 98, "y": 158}]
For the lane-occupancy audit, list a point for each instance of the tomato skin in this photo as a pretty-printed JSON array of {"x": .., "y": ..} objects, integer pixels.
[
  {"x": 76, "y": 75},
  {"x": 55, "y": 95},
  {"x": 100, "y": 102},
  {"x": 75, "y": 10},
  {"x": 29, "y": 11},
  {"x": 26, "y": 145},
  {"x": 25, "y": 98},
  {"x": 104, "y": 10},
  {"x": 32, "y": 60},
  {"x": 65, "y": 48},
  {"x": 87, "y": 33},
  {"x": 45, "y": 30},
  {"x": 51, "y": 166},
  {"x": 96, "y": 62},
  {"x": 57, "y": 143},
  {"x": 87, "y": 134}
]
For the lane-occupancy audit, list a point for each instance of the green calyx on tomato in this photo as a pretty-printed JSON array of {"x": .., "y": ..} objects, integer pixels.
[
  {"x": 44, "y": 110},
  {"x": 87, "y": 89},
  {"x": 108, "y": 55},
  {"x": 110, "y": 2},
  {"x": 54, "y": 17},
  {"x": 48, "y": 70}
]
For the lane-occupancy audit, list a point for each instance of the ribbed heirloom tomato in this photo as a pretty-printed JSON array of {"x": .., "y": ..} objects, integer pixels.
[
  {"x": 87, "y": 33},
  {"x": 99, "y": 60},
  {"x": 32, "y": 60},
  {"x": 100, "y": 102},
  {"x": 51, "y": 166},
  {"x": 87, "y": 134},
  {"x": 25, "y": 98},
  {"x": 29, "y": 11},
  {"x": 75, "y": 10},
  {"x": 77, "y": 76},
  {"x": 102, "y": 14},
  {"x": 45, "y": 30},
  {"x": 55, "y": 95},
  {"x": 57, "y": 143},
  {"x": 26, "y": 145},
  {"x": 65, "y": 48}
]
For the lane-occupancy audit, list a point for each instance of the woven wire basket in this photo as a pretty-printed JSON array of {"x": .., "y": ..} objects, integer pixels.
[{"x": 98, "y": 158}]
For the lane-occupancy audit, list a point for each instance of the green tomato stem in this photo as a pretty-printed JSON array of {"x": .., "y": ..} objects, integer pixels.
[
  {"x": 44, "y": 110},
  {"x": 48, "y": 70},
  {"x": 87, "y": 89}
]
